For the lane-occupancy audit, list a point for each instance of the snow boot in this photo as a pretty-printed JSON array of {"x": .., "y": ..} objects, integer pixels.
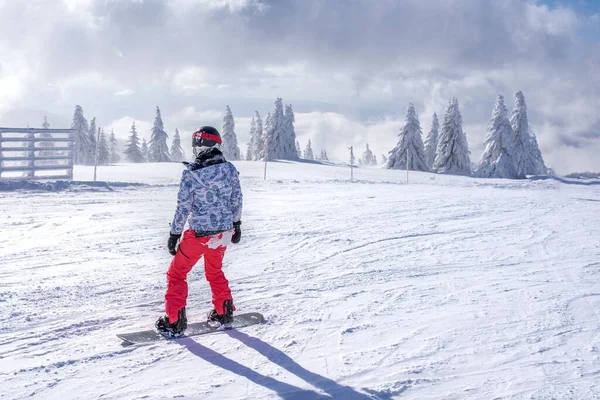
[
  {"x": 175, "y": 329},
  {"x": 224, "y": 320}
]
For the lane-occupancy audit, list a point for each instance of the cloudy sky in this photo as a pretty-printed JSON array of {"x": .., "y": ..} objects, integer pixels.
[{"x": 349, "y": 67}]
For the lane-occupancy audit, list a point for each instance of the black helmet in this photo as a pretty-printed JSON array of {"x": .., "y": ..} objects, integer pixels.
[{"x": 207, "y": 136}]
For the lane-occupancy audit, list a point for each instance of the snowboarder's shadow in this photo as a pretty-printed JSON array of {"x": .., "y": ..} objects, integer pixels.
[{"x": 276, "y": 356}]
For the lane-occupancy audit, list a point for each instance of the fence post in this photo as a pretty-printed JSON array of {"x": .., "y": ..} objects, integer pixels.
[
  {"x": 72, "y": 155},
  {"x": 1, "y": 161},
  {"x": 31, "y": 155}
]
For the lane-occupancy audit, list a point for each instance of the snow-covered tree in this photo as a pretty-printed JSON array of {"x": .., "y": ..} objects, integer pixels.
[
  {"x": 367, "y": 158},
  {"x": 132, "y": 150},
  {"x": 266, "y": 129},
  {"x": 410, "y": 145},
  {"x": 289, "y": 149},
  {"x": 46, "y": 125},
  {"x": 323, "y": 156},
  {"x": 383, "y": 159},
  {"x": 298, "y": 150},
  {"x": 497, "y": 159},
  {"x": 280, "y": 133},
  {"x": 259, "y": 139},
  {"x": 176, "y": 150},
  {"x": 81, "y": 147},
  {"x": 103, "y": 149},
  {"x": 93, "y": 145},
  {"x": 431, "y": 142},
  {"x": 114, "y": 155},
  {"x": 230, "y": 147},
  {"x": 158, "y": 151},
  {"x": 540, "y": 165},
  {"x": 452, "y": 153},
  {"x": 375, "y": 160},
  {"x": 527, "y": 156},
  {"x": 145, "y": 151},
  {"x": 308, "y": 153},
  {"x": 250, "y": 149}
]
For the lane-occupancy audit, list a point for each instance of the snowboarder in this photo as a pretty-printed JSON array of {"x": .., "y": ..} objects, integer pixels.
[{"x": 211, "y": 196}]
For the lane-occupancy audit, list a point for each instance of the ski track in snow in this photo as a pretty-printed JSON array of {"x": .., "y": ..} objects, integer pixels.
[{"x": 448, "y": 287}]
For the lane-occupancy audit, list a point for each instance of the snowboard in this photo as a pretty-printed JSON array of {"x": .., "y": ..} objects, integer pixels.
[{"x": 194, "y": 329}]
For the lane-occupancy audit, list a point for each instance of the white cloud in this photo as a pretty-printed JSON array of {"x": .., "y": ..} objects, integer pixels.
[{"x": 126, "y": 92}]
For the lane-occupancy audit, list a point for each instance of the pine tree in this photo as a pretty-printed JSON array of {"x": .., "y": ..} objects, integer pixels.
[
  {"x": 383, "y": 159},
  {"x": 289, "y": 150},
  {"x": 323, "y": 156},
  {"x": 540, "y": 165},
  {"x": 93, "y": 145},
  {"x": 176, "y": 150},
  {"x": 103, "y": 150},
  {"x": 158, "y": 150},
  {"x": 259, "y": 141},
  {"x": 280, "y": 133},
  {"x": 409, "y": 144},
  {"x": 132, "y": 150},
  {"x": 81, "y": 147},
  {"x": 43, "y": 153},
  {"x": 527, "y": 156},
  {"x": 298, "y": 150},
  {"x": 266, "y": 130},
  {"x": 230, "y": 148},
  {"x": 367, "y": 158},
  {"x": 114, "y": 156},
  {"x": 375, "y": 160},
  {"x": 249, "y": 150},
  {"x": 431, "y": 142},
  {"x": 497, "y": 159},
  {"x": 145, "y": 151},
  {"x": 308, "y": 153},
  {"x": 452, "y": 153}
]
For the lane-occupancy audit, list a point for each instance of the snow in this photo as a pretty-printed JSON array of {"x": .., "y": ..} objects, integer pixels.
[{"x": 448, "y": 287}]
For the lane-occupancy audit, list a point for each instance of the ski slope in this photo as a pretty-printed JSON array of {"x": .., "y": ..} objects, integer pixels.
[{"x": 445, "y": 288}]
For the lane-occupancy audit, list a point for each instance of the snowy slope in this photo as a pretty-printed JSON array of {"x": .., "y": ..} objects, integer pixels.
[{"x": 448, "y": 287}]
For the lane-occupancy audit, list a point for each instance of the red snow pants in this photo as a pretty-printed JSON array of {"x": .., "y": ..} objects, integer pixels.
[{"x": 191, "y": 249}]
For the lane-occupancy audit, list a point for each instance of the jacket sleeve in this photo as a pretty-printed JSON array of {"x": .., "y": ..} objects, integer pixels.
[
  {"x": 236, "y": 196},
  {"x": 184, "y": 203}
]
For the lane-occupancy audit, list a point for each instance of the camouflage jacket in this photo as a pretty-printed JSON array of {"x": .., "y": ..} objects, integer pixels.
[{"x": 209, "y": 194}]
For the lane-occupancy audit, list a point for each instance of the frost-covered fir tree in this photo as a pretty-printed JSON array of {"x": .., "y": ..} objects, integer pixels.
[
  {"x": 266, "y": 129},
  {"x": 103, "y": 149},
  {"x": 145, "y": 151},
  {"x": 132, "y": 150},
  {"x": 93, "y": 145},
  {"x": 540, "y": 165},
  {"x": 298, "y": 150},
  {"x": 452, "y": 153},
  {"x": 367, "y": 158},
  {"x": 158, "y": 151},
  {"x": 308, "y": 152},
  {"x": 259, "y": 139},
  {"x": 497, "y": 159},
  {"x": 324, "y": 155},
  {"x": 410, "y": 145},
  {"x": 114, "y": 154},
  {"x": 230, "y": 147},
  {"x": 527, "y": 156},
  {"x": 288, "y": 144},
  {"x": 280, "y": 134},
  {"x": 383, "y": 159},
  {"x": 81, "y": 147},
  {"x": 46, "y": 125},
  {"x": 375, "y": 160},
  {"x": 431, "y": 142},
  {"x": 176, "y": 150},
  {"x": 250, "y": 149}
]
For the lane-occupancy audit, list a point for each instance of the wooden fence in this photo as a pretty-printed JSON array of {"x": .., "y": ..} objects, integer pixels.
[{"x": 29, "y": 153}]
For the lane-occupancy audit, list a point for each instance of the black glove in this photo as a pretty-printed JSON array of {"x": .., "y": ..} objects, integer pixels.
[
  {"x": 237, "y": 235},
  {"x": 172, "y": 243}
]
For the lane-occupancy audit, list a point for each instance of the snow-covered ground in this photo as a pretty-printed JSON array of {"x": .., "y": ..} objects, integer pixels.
[{"x": 445, "y": 288}]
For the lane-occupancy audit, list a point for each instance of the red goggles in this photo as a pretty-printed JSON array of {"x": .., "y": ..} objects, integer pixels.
[{"x": 208, "y": 136}]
